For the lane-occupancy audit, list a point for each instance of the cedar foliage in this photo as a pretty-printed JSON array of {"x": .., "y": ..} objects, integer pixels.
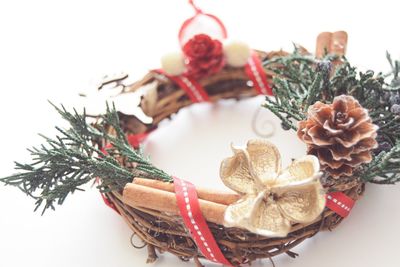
[{"x": 302, "y": 80}]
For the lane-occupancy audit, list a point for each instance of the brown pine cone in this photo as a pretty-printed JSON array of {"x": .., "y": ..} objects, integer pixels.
[{"x": 340, "y": 134}]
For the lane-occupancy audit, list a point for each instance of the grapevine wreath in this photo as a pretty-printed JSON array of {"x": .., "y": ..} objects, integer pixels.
[{"x": 349, "y": 121}]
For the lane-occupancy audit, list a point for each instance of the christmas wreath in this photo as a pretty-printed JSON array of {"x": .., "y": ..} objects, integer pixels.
[{"x": 349, "y": 120}]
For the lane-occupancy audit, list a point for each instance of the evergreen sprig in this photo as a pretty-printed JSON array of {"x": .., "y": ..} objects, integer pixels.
[
  {"x": 385, "y": 167},
  {"x": 302, "y": 80},
  {"x": 71, "y": 159}
]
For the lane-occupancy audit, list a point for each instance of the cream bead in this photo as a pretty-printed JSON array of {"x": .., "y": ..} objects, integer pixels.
[
  {"x": 173, "y": 63},
  {"x": 237, "y": 53}
]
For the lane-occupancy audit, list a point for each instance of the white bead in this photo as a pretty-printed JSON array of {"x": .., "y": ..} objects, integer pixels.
[
  {"x": 173, "y": 63},
  {"x": 236, "y": 53}
]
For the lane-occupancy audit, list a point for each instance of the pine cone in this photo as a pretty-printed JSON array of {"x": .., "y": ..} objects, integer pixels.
[{"x": 340, "y": 134}]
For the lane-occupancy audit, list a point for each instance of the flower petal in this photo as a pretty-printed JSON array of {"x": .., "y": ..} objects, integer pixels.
[
  {"x": 239, "y": 213},
  {"x": 300, "y": 170},
  {"x": 265, "y": 160},
  {"x": 235, "y": 173},
  {"x": 267, "y": 220},
  {"x": 303, "y": 203},
  {"x": 257, "y": 216}
]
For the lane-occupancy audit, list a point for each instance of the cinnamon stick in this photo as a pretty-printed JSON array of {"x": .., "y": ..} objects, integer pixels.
[
  {"x": 333, "y": 43},
  {"x": 323, "y": 44},
  {"x": 212, "y": 195},
  {"x": 338, "y": 43},
  {"x": 155, "y": 199}
]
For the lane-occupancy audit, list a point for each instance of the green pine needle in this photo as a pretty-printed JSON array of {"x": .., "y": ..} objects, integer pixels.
[{"x": 65, "y": 163}]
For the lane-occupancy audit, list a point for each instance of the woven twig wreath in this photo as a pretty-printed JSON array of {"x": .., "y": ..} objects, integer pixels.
[
  {"x": 159, "y": 225},
  {"x": 348, "y": 120}
]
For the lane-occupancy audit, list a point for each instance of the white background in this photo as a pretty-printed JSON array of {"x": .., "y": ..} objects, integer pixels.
[{"x": 53, "y": 50}]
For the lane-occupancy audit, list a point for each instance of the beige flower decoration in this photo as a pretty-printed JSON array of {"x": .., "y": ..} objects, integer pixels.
[{"x": 271, "y": 199}]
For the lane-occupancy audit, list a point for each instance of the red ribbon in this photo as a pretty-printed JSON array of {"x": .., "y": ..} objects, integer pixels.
[
  {"x": 136, "y": 139},
  {"x": 339, "y": 203},
  {"x": 257, "y": 75},
  {"x": 199, "y": 12},
  {"x": 193, "y": 89},
  {"x": 109, "y": 203},
  {"x": 188, "y": 203}
]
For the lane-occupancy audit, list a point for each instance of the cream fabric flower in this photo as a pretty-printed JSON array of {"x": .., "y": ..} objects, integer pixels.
[{"x": 271, "y": 199}]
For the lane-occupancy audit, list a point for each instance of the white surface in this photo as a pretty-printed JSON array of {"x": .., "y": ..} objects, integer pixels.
[{"x": 52, "y": 50}]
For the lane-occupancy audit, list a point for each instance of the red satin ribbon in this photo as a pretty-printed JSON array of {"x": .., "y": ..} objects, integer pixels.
[
  {"x": 188, "y": 203},
  {"x": 193, "y": 89},
  {"x": 136, "y": 139},
  {"x": 339, "y": 203},
  {"x": 189, "y": 21},
  {"x": 256, "y": 73},
  {"x": 109, "y": 203}
]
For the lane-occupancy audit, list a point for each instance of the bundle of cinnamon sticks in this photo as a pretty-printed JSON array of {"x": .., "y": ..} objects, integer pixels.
[{"x": 160, "y": 196}]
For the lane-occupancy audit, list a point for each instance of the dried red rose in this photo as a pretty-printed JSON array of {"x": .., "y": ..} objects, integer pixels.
[{"x": 204, "y": 55}]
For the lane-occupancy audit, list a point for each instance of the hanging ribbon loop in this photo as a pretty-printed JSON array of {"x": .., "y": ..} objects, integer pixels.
[{"x": 201, "y": 23}]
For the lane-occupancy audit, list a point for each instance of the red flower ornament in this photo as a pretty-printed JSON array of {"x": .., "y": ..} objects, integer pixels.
[{"x": 204, "y": 55}]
